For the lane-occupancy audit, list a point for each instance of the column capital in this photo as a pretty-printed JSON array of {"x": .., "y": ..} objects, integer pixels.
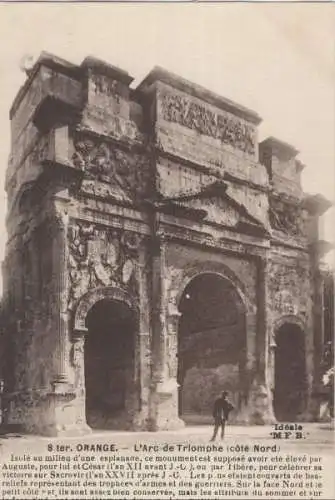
[{"x": 61, "y": 218}]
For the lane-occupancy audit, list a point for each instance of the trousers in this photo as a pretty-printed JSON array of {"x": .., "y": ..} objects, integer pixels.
[{"x": 219, "y": 422}]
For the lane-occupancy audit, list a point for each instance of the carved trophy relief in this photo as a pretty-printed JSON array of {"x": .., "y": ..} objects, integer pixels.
[
  {"x": 100, "y": 257},
  {"x": 172, "y": 284},
  {"x": 285, "y": 303},
  {"x": 106, "y": 86},
  {"x": 287, "y": 217},
  {"x": 127, "y": 271},
  {"x": 220, "y": 125},
  {"x": 171, "y": 357},
  {"x": 129, "y": 172},
  {"x": 77, "y": 359},
  {"x": 290, "y": 289}
]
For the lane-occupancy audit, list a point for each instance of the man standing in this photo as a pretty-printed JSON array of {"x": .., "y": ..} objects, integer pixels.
[{"x": 221, "y": 410}]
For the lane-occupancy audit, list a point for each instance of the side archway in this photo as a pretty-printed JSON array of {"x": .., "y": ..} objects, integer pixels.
[
  {"x": 290, "y": 382},
  {"x": 105, "y": 325}
]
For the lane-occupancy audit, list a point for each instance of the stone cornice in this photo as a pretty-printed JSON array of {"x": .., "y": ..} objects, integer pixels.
[
  {"x": 128, "y": 144},
  {"x": 103, "y": 68},
  {"x": 167, "y": 77},
  {"x": 316, "y": 204},
  {"x": 279, "y": 148},
  {"x": 72, "y": 70},
  {"x": 223, "y": 244},
  {"x": 52, "y": 62},
  {"x": 294, "y": 245},
  {"x": 320, "y": 248}
]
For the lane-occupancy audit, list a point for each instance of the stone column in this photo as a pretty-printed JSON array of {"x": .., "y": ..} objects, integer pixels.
[
  {"x": 260, "y": 400},
  {"x": 62, "y": 396},
  {"x": 79, "y": 426},
  {"x": 165, "y": 390},
  {"x": 318, "y": 323},
  {"x": 142, "y": 375},
  {"x": 313, "y": 361},
  {"x": 60, "y": 259}
]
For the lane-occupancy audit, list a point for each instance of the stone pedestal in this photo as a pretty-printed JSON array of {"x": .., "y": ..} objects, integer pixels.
[{"x": 64, "y": 408}]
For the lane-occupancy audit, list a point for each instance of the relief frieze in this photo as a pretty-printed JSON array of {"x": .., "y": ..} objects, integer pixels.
[
  {"x": 106, "y": 86},
  {"x": 285, "y": 303},
  {"x": 102, "y": 161},
  {"x": 290, "y": 288},
  {"x": 100, "y": 257},
  {"x": 287, "y": 217},
  {"x": 219, "y": 125}
]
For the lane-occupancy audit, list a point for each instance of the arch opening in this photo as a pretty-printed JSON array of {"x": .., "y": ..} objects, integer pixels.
[
  {"x": 109, "y": 363},
  {"x": 211, "y": 346},
  {"x": 290, "y": 373}
]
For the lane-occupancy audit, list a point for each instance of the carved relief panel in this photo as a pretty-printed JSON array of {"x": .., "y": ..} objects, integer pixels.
[
  {"x": 119, "y": 170},
  {"x": 288, "y": 217},
  {"x": 108, "y": 109},
  {"x": 290, "y": 289},
  {"x": 190, "y": 112},
  {"x": 100, "y": 256},
  {"x": 172, "y": 284}
]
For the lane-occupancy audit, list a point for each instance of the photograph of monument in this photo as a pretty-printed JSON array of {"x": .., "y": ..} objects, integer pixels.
[{"x": 157, "y": 253}]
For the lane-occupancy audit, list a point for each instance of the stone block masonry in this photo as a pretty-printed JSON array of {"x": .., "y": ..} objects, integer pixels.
[{"x": 157, "y": 254}]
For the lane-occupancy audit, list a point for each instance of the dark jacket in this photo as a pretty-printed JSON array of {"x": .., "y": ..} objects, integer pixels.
[{"x": 221, "y": 409}]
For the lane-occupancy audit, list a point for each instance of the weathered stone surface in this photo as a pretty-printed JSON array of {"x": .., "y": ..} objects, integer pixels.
[
  {"x": 122, "y": 173},
  {"x": 193, "y": 114},
  {"x": 150, "y": 252}
]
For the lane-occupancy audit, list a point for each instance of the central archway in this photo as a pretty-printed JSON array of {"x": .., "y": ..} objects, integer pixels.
[
  {"x": 211, "y": 345},
  {"x": 109, "y": 363}
]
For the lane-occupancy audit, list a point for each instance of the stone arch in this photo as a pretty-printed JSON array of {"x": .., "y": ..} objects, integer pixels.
[
  {"x": 93, "y": 296},
  {"x": 291, "y": 319},
  {"x": 217, "y": 366},
  {"x": 216, "y": 268},
  {"x": 104, "y": 363}
]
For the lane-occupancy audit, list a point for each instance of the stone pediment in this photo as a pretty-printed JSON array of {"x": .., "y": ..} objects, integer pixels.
[{"x": 214, "y": 205}]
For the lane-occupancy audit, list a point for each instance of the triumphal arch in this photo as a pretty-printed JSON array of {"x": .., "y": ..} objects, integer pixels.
[{"x": 157, "y": 254}]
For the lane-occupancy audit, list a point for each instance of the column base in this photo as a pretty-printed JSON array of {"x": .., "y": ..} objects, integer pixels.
[
  {"x": 259, "y": 409},
  {"x": 60, "y": 385},
  {"x": 68, "y": 430},
  {"x": 165, "y": 408},
  {"x": 164, "y": 423}
]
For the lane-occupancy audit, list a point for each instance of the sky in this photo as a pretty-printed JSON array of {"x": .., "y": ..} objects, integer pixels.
[{"x": 278, "y": 59}]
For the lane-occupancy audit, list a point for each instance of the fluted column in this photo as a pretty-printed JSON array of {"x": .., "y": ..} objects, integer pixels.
[
  {"x": 158, "y": 311},
  {"x": 318, "y": 309},
  {"x": 60, "y": 258},
  {"x": 263, "y": 317}
]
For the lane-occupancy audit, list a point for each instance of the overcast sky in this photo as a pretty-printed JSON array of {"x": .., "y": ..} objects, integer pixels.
[{"x": 277, "y": 59}]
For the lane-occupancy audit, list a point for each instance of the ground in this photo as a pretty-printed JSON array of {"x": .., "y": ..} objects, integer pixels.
[{"x": 315, "y": 434}]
